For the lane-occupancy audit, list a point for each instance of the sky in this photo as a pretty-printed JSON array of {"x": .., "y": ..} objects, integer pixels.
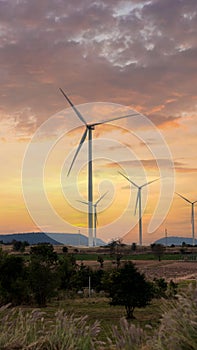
[{"x": 112, "y": 58}]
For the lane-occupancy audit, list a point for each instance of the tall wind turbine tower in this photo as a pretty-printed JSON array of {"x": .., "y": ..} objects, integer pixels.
[
  {"x": 95, "y": 216},
  {"x": 192, "y": 216},
  {"x": 88, "y": 131},
  {"x": 139, "y": 202}
]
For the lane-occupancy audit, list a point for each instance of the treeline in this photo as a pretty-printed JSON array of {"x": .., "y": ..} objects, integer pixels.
[{"x": 45, "y": 275}]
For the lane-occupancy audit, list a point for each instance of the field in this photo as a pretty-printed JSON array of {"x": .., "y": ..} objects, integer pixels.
[
  {"x": 98, "y": 308},
  {"x": 175, "y": 270},
  {"x": 68, "y": 309},
  {"x": 168, "y": 269}
]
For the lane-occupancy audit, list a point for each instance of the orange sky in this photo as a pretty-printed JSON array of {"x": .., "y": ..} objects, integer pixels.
[{"x": 134, "y": 55}]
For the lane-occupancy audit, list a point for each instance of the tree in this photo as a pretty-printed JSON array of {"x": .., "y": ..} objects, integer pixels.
[
  {"x": 80, "y": 279},
  {"x": 44, "y": 252},
  {"x": 65, "y": 249},
  {"x": 100, "y": 260},
  {"x": 128, "y": 287},
  {"x": 66, "y": 271},
  {"x": 159, "y": 287},
  {"x": 19, "y": 246},
  {"x": 158, "y": 250},
  {"x": 13, "y": 279},
  {"x": 117, "y": 250},
  {"x": 43, "y": 277},
  {"x": 133, "y": 247},
  {"x": 96, "y": 279}
]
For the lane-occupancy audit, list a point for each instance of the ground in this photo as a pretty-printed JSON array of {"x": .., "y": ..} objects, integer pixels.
[
  {"x": 175, "y": 270},
  {"x": 168, "y": 269}
]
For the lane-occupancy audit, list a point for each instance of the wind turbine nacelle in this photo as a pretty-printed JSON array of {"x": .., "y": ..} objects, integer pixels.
[{"x": 91, "y": 127}]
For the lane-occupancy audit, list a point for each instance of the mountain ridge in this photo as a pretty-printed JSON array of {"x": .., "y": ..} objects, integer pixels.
[
  {"x": 73, "y": 239},
  {"x": 176, "y": 240}
]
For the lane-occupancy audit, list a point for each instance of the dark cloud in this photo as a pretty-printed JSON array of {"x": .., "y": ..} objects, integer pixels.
[{"x": 143, "y": 56}]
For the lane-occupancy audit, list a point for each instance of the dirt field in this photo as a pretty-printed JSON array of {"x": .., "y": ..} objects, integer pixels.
[{"x": 175, "y": 270}]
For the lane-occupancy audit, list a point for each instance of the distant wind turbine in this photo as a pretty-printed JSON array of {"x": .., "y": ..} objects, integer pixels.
[
  {"x": 138, "y": 200},
  {"x": 88, "y": 131},
  {"x": 95, "y": 216},
  {"x": 192, "y": 216}
]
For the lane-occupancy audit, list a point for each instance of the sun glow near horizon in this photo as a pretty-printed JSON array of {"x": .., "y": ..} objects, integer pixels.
[{"x": 149, "y": 68}]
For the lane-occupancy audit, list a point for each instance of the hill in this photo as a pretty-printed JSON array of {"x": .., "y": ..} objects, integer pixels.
[
  {"x": 177, "y": 241},
  {"x": 32, "y": 238},
  {"x": 74, "y": 239}
]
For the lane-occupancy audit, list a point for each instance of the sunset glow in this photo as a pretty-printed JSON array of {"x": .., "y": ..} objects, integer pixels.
[{"x": 112, "y": 59}]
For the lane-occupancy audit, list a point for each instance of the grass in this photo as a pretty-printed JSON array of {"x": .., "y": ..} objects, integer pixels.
[
  {"x": 141, "y": 256},
  {"x": 99, "y": 309},
  {"x": 92, "y": 324},
  {"x": 79, "y": 318}
]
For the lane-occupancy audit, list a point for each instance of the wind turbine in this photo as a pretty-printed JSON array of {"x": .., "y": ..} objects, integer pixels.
[
  {"x": 138, "y": 200},
  {"x": 88, "y": 131},
  {"x": 95, "y": 215},
  {"x": 192, "y": 216}
]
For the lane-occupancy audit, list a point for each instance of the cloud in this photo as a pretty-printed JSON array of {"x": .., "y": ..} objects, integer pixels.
[
  {"x": 149, "y": 163},
  {"x": 185, "y": 170},
  {"x": 144, "y": 56}
]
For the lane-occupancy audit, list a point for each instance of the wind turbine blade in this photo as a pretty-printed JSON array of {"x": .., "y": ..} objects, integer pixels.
[
  {"x": 194, "y": 202},
  {"x": 101, "y": 198},
  {"x": 78, "y": 149},
  {"x": 150, "y": 182},
  {"x": 83, "y": 202},
  {"x": 133, "y": 183},
  {"x": 117, "y": 118},
  {"x": 73, "y": 107},
  {"x": 137, "y": 200},
  {"x": 184, "y": 198}
]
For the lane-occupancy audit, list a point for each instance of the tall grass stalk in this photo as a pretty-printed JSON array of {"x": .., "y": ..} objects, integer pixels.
[
  {"x": 33, "y": 331},
  {"x": 127, "y": 336},
  {"x": 22, "y": 330},
  {"x": 178, "y": 327}
]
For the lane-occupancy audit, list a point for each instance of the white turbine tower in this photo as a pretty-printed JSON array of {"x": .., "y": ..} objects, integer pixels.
[
  {"x": 88, "y": 131},
  {"x": 138, "y": 202},
  {"x": 95, "y": 216},
  {"x": 192, "y": 216}
]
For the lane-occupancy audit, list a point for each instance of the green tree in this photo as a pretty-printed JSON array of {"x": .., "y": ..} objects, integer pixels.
[
  {"x": 97, "y": 279},
  {"x": 159, "y": 287},
  {"x": 100, "y": 260},
  {"x": 13, "y": 280},
  {"x": 158, "y": 250},
  {"x": 66, "y": 271},
  {"x": 65, "y": 249},
  {"x": 19, "y": 246},
  {"x": 44, "y": 252},
  {"x": 80, "y": 279},
  {"x": 128, "y": 287},
  {"x": 133, "y": 247},
  {"x": 43, "y": 277},
  {"x": 117, "y": 250}
]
